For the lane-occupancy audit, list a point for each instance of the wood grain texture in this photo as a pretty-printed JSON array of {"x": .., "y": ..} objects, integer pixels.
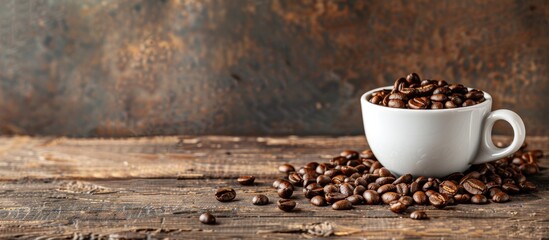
[
  {"x": 157, "y": 188},
  {"x": 247, "y": 67}
]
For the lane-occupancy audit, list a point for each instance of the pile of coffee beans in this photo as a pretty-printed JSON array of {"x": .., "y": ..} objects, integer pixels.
[
  {"x": 354, "y": 178},
  {"x": 415, "y": 93}
]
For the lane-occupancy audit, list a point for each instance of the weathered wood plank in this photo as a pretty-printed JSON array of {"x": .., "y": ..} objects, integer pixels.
[{"x": 170, "y": 157}]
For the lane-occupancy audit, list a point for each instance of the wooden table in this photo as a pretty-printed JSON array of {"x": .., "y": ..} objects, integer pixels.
[{"x": 157, "y": 187}]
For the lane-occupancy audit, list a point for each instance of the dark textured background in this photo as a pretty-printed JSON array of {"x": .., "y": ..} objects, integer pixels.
[{"x": 126, "y": 68}]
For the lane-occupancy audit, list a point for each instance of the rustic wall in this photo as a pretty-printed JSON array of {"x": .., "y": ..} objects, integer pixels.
[{"x": 125, "y": 68}]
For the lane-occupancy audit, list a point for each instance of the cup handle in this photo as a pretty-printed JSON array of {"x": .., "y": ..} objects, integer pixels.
[{"x": 488, "y": 151}]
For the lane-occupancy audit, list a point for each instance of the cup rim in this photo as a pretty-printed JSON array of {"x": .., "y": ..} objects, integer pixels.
[{"x": 487, "y": 96}]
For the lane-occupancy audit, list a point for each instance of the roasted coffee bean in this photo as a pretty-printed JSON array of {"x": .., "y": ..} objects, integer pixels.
[
  {"x": 323, "y": 180},
  {"x": 414, "y": 187},
  {"x": 442, "y": 90},
  {"x": 246, "y": 180},
  {"x": 395, "y": 103},
  {"x": 346, "y": 189},
  {"x": 441, "y": 83},
  {"x": 260, "y": 199},
  {"x": 427, "y": 81},
  {"x": 448, "y": 187},
  {"x": 339, "y": 160},
  {"x": 359, "y": 190},
  {"x": 285, "y": 184},
  {"x": 400, "y": 83},
  {"x": 474, "y": 94},
  {"x": 334, "y": 197},
  {"x": 462, "y": 198},
  {"x": 473, "y": 174},
  {"x": 313, "y": 165},
  {"x": 383, "y": 172},
  {"x": 318, "y": 201},
  {"x": 342, "y": 205},
  {"x": 501, "y": 197},
  {"x": 426, "y": 89},
  {"x": 276, "y": 183},
  {"x": 409, "y": 92},
  {"x": 439, "y": 97},
  {"x": 225, "y": 194},
  {"x": 474, "y": 186},
  {"x": 437, "y": 105},
  {"x": 310, "y": 193},
  {"x": 286, "y": 168},
  {"x": 375, "y": 165},
  {"x": 286, "y": 205},
  {"x": 376, "y": 99},
  {"x": 348, "y": 171},
  {"x": 413, "y": 78},
  {"x": 309, "y": 178},
  {"x": 207, "y": 218},
  {"x": 350, "y": 154},
  {"x": 493, "y": 191},
  {"x": 355, "y": 199},
  {"x": 409, "y": 201},
  {"x": 397, "y": 206},
  {"x": 438, "y": 200},
  {"x": 339, "y": 179},
  {"x": 430, "y": 185},
  {"x": 311, "y": 186},
  {"x": 510, "y": 188},
  {"x": 458, "y": 88},
  {"x": 479, "y": 199},
  {"x": 407, "y": 178},
  {"x": 370, "y": 177},
  {"x": 384, "y": 180},
  {"x": 389, "y": 197},
  {"x": 468, "y": 103},
  {"x": 353, "y": 163},
  {"x": 371, "y": 197},
  {"x": 402, "y": 189},
  {"x": 386, "y": 188},
  {"x": 368, "y": 154},
  {"x": 361, "y": 181},
  {"x": 529, "y": 169},
  {"x": 429, "y": 192},
  {"x": 456, "y": 177},
  {"x": 321, "y": 168},
  {"x": 450, "y": 104},
  {"x": 528, "y": 186},
  {"x": 419, "y": 103},
  {"x": 295, "y": 179},
  {"x": 418, "y": 215},
  {"x": 332, "y": 173},
  {"x": 330, "y": 188},
  {"x": 285, "y": 192},
  {"x": 457, "y": 99},
  {"x": 420, "y": 197}
]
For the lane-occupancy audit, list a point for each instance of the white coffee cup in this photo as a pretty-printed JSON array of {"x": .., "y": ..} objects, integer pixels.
[{"x": 436, "y": 143}]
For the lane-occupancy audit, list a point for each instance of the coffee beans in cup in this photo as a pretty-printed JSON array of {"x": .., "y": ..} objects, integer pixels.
[{"x": 412, "y": 92}]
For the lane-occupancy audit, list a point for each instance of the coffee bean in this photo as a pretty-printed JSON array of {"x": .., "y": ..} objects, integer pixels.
[
  {"x": 285, "y": 192},
  {"x": 448, "y": 187},
  {"x": 402, "y": 189},
  {"x": 501, "y": 197},
  {"x": 450, "y": 104},
  {"x": 529, "y": 169},
  {"x": 437, "y": 105},
  {"x": 323, "y": 180},
  {"x": 395, "y": 103},
  {"x": 368, "y": 154},
  {"x": 407, "y": 178},
  {"x": 444, "y": 90},
  {"x": 420, "y": 197},
  {"x": 510, "y": 188},
  {"x": 318, "y": 201},
  {"x": 468, "y": 103},
  {"x": 339, "y": 160},
  {"x": 342, "y": 205},
  {"x": 339, "y": 179},
  {"x": 276, "y": 183},
  {"x": 427, "y": 81},
  {"x": 426, "y": 89},
  {"x": 439, "y": 97},
  {"x": 371, "y": 197},
  {"x": 225, "y": 194},
  {"x": 479, "y": 199},
  {"x": 286, "y": 168},
  {"x": 350, "y": 154},
  {"x": 462, "y": 198},
  {"x": 384, "y": 180},
  {"x": 429, "y": 192},
  {"x": 457, "y": 88},
  {"x": 332, "y": 173},
  {"x": 246, "y": 180},
  {"x": 414, "y": 187},
  {"x": 310, "y": 193},
  {"x": 438, "y": 200},
  {"x": 207, "y": 218},
  {"x": 295, "y": 179},
  {"x": 474, "y": 186},
  {"x": 419, "y": 103},
  {"x": 334, "y": 197},
  {"x": 375, "y": 165},
  {"x": 528, "y": 186},
  {"x": 355, "y": 199},
  {"x": 409, "y": 201},
  {"x": 400, "y": 83},
  {"x": 361, "y": 181},
  {"x": 346, "y": 189},
  {"x": 413, "y": 78},
  {"x": 409, "y": 92},
  {"x": 430, "y": 185},
  {"x": 418, "y": 215},
  {"x": 313, "y": 165},
  {"x": 359, "y": 190},
  {"x": 260, "y": 199},
  {"x": 386, "y": 188},
  {"x": 330, "y": 188},
  {"x": 397, "y": 206},
  {"x": 285, "y": 184},
  {"x": 286, "y": 205},
  {"x": 348, "y": 171},
  {"x": 474, "y": 95},
  {"x": 309, "y": 178},
  {"x": 389, "y": 197}
]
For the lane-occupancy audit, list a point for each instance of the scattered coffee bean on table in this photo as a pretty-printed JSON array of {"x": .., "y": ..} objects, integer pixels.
[
  {"x": 225, "y": 194},
  {"x": 342, "y": 205},
  {"x": 207, "y": 218},
  {"x": 414, "y": 93},
  {"x": 286, "y": 205},
  {"x": 260, "y": 199},
  {"x": 246, "y": 180},
  {"x": 418, "y": 215}
]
